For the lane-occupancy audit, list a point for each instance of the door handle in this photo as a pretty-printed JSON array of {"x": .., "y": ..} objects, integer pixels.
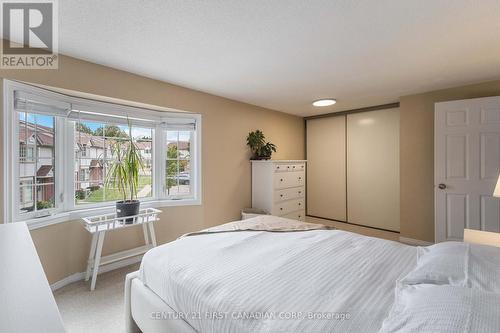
[{"x": 442, "y": 186}]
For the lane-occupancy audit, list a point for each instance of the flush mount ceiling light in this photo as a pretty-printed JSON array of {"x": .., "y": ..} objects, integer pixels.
[{"x": 324, "y": 102}]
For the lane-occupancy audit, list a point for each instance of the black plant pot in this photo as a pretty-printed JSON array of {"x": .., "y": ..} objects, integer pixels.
[
  {"x": 260, "y": 158},
  {"x": 127, "y": 208}
]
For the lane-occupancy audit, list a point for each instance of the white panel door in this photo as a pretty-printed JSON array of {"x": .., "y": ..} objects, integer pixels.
[{"x": 467, "y": 163}]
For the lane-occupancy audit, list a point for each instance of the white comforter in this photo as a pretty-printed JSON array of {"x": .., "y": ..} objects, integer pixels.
[{"x": 257, "y": 281}]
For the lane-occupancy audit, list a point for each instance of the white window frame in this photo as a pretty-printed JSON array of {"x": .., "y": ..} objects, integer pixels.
[{"x": 65, "y": 207}]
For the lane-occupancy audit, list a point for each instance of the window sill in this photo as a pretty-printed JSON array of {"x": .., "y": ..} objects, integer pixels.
[{"x": 37, "y": 223}]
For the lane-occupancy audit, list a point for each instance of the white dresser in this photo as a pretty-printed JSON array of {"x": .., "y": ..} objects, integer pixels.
[{"x": 278, "y": 187}]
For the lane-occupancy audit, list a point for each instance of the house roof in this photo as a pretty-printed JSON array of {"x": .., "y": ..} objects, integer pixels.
[
  {"x": 142, "y": 145},
  {"x": 44, "y": 134},
  {"x": 45, "y": 139},
  {"x": 95, "y": 163},
  {"x": 82, "y": 138},
  {"x": 183, "y": 145},
  {"x": 44, "y": 170}
]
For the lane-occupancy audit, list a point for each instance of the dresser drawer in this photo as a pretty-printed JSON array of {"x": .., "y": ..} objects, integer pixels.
[
  {"x": 289, "y": 179},
  {"x": 289, "y": 167},
  {"x": 281, "y": 167},
  {"x": 298, "y": 167},
  {"x": 299, "y": 215},
  {"x": 287, "y": 207},
  {"x": 289, "y": 193}
]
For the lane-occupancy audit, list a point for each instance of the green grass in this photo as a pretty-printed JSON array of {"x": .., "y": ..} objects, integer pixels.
[{"x": 111, "y": 193}]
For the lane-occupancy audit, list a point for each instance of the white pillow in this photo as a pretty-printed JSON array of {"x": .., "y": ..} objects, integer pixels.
[
  {"x": 484, "y": 267},
  {"x": 442, "y": 263},
  {"x": 457, "y": 264},
  {"x": 432, "y": 308}
]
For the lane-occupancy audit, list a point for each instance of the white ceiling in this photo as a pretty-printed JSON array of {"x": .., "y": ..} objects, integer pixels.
[{"x": 283, "y": 54}]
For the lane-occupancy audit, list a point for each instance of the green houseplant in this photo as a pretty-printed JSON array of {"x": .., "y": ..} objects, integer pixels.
[
  {"x": 261, "y": 149},
  {"x": 123, "y": 175}
]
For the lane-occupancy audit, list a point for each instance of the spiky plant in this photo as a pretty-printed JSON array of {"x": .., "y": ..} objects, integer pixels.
[{"x": 123, "y": 173}]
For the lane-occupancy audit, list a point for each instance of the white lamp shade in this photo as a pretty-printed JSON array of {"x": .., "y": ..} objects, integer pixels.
[{"x": 496, "y": 193}]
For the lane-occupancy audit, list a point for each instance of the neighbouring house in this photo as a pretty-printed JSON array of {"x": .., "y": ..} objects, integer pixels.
[
  {"x": 145, "y": 149},
  {"x": 89, "y": 168},
  {"x": 36, "y": 170}
]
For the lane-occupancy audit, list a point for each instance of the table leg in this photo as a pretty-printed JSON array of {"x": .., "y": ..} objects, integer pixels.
[
  {"x": 145, "y": 230},
  {"x": 91, "y": 256},
  {"x": 97, "y": 259},
  {"x": 152, "y": 232}
]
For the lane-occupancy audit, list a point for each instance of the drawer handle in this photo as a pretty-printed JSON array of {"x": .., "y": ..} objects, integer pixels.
[
  {"x": 281, "y": 208},
  {"x": 294, "y": 166},
  {"x": 300, "y": 216},
  {"x": 281, "y": 195},
  {"x": 288, "y": 167},
  {"x": 300, "y": 178},
  {"x": 277, "y": 167},
  {"x": 299, "y": 203},
  {"x": 281, "y": 179},
  {"x": 300, "y": 192}
]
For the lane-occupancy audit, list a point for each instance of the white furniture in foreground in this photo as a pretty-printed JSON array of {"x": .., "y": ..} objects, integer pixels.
[
  {"x": 278, "y": 187},
  {"x": 100, "y": 224},
  {"x": 482, "y": 237},
  {"x": 26, "y": 301}
]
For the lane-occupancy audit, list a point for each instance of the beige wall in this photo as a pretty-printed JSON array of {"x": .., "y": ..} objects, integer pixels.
[
  {"x": 63, "y": 248},
  {"x": 417, "y": 155}
]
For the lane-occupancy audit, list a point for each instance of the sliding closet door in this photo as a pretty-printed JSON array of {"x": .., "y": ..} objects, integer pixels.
[
  {"x": 373, "y": 168},
  {"x": 326, "y": 174}
]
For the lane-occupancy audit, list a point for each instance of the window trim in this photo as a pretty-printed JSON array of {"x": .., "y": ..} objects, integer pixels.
[{"x": 63, "y": 186}]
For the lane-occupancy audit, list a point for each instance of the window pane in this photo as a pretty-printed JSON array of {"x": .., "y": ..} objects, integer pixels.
[
  {"x": 45, "y": 196},
  {"x": 172, "y": 150},
  {"x": 27, "y": 195},
  {"x": 36, "y": 162},
  {"x": 89, "y": 191},
  {"x": 142, "y": 134},
  {"x": 184, "y": 177},
  {"x": 178, "y": 168},
  {"x": 184, "y": 144},
  {"x": 106, "y": 144},
  {"x": 145, "y": 188}
]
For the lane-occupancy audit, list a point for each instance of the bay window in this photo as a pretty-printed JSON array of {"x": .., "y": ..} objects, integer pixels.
[{"x": 58, "y": 150}]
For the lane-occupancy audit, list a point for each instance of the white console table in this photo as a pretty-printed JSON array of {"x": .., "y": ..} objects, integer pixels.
[
  {"x": 26, "y": 301},
  {"x": 100, "y": 224}
]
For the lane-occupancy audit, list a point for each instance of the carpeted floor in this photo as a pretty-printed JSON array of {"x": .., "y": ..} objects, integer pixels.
[{"x": 98, "y": 311}]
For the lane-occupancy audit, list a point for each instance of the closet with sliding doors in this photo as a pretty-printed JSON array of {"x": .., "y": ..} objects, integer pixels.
[{"x": 353, "y": 167}]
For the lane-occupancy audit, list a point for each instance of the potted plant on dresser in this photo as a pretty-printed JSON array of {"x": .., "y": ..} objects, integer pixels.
[
  {"x": 261, "y": 149},
  {"x": 123, "y": 175}
]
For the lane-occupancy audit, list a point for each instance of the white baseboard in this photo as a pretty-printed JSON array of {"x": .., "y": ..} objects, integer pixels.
[
  {"x": 417, "y": 242},
  {"x": 80, "y": 276}
]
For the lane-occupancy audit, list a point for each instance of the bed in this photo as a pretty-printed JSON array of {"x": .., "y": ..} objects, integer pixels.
[
  {"x": 223, "y": 282},
  {"x": 260, "y": 281}
]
